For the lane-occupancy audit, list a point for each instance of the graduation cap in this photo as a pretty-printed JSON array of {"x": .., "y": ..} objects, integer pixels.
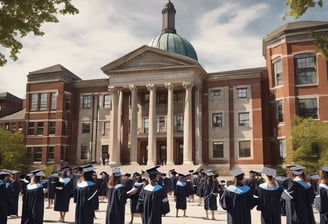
[
  {"x": 324, "y": 169},
  {"x": 152, "y": 172},
  {"x": 4, "y": 173},
  {"x": 127, "y": 174},
  {"x": 297, "y": 170},
  {"x": 65, "y": 168},
  {"x": 38, "y": 173},
  {"x": 87, "y": 168},
  {"x": 314, "y": 176},
  {"x": 210, "y": 173},
  {"x": 54, "y": 174},
  {"x": 237, "y": 172},
  {"x": 290, "y": 166},
  {"x": 269, "y": 171},
  {"x": 191, "y": 171},
  {"x": 13, "y": 172},
  {"x": 173, "y": 171},
  {"x": 181, "y": 175},
  {"x": 116, "y": 171}
]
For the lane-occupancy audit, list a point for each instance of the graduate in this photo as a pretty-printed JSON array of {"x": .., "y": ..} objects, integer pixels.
[
  {"x": 299, "y": 198},
  {"x": 4, "y": 175},
  {"x": 133, "y": 194},
  {"x": 269, "y": 194},
  {"x": 116, "y": 198},
  {"x": 33, "y": 203},
  {"x": 153, "y": 201},
  {"x": 321, "y": 202},
  {"x": 63, "y": 192},
  {"x": 211, "y": 190},
  {"x": 53, "y": 178},
  {"x": 86, "y": 197},
  {"x": 13, "y": 193},
  {"x": 238, "y": 200},
  {"x": 181, "y": 194}
]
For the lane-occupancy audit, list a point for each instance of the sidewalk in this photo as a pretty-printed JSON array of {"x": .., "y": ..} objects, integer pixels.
[{"x": 194, "y": 212}]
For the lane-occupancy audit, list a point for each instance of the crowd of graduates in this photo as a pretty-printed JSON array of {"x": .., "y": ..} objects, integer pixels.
[{"x": 293, "y": 195}]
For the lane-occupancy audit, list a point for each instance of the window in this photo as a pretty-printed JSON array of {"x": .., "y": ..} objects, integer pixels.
[
  {"x": 218, "y": 151},
  {"x": 53, "y": 103},
  {"x": 40, "y": 128},
  {"x": 43, "y": 101},
  {"x": 63, "y": 153},
  {"x": 30, "y": 130},
  {"x": 85, "y": 128},
  {"x": 280, "y": 111},
  {"x": 161, "y": 128},
  {"x": 307, "y": 108},
  {"x": 217, "y": 92},
  {"x": 106, "y": 128},
  {"x": 86, "y": 104},
  {"x": 161, "y": 98},
  {"x": 216, "y": 119},
  {"x": 84, "y": 152},
  {"x": 242, "y": 92},
  {"x": 64, "y": 128},
  {"x": 277, "y": 69},
  {"x": 37, "y": 154},
  {"x": 107, "y": 101},
  {"x": 179, "y": 123},
  {"x": 305, "y": 65},
  {"x": 51, "y": 154},
  {"x": 34, "y": 101},
  {"x": 178, "y": 97},
  {"x": 145, "y": 125},
  {"x": 244, "y": 149},
  {"x": 282, "y": 148},
  {"x": 146, "y": 99},
  {"x": 52, "y": 127},
  {"x": 67, "y": 101},
  {"x": 243, "y": 119},
  {"x": 104, "y": 149},
  {"x": 13, "y": 127}
]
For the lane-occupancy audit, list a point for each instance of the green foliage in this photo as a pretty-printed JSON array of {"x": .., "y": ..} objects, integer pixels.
[
  {"x": 20, "y": 17},
  {"x": 310, "y": 143},
  {"x": 12, "y": 150},
  {"x": 299, "y": 7},
  {"x": 321, "y": 42}
]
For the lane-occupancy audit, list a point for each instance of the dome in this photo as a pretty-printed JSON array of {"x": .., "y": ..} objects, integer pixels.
[{"x": 172, "y": 42}]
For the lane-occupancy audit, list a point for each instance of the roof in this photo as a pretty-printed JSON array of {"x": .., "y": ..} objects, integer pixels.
[
  {"x": 55, "y": 69},
  {"x": 174, "y": 43},
  {"x": 9, "y": 97},
  {"x": 20, "y": 115}
]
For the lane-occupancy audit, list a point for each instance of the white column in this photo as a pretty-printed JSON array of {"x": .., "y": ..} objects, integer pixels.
[
  {"x": 114, "y": 148},
  {"x": 170, "y": 124},
  {"x": 133, "y": 128},
  {"x": 152, "y": 125},
  {"x": 187, "y": 125},
  {"x": 119, "y": 125},
  {"x": 198, "y": 125}
]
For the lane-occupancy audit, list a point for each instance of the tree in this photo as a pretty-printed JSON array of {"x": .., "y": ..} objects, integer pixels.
[
  {"x": 12, "y": 150},
  {"x": 310, "y": 143},
  {"x": 297, "y": 9},
  {"x": 21, "y": 17}
]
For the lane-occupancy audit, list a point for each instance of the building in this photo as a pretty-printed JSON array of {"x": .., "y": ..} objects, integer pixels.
[
  {"x": 159, "y": 106},
  {"x": 12, "y": 114}
]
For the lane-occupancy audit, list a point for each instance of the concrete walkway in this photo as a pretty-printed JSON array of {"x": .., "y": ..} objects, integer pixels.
[{"x": 195, "y": 215}]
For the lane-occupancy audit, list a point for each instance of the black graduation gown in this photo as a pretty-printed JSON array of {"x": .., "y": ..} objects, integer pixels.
[
  {"x": 299, "y": 199},
  {"x": 269, "y": 203},
  {"x": 238, "y": 202},
  {"x": 13, "y": 195},
  {"x": 181, "y": 194},
  {"x": 33, "y": 205},
  {"x": 116, "y": 204},
  {"x": 63, "y": 194},
  {"x": 210, "y": 196},
  {"x": 51, "y": 187},
  {"x": 135, "y": 197},
  {"x": 86, "y": 202},
  {"x": 3, "y": 203},
  {"x": 153, "y": 203},
  {"x": 321, "y": 203}
]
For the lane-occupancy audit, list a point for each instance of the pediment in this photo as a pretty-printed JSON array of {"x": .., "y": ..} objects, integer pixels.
[{"x": 146, "y": 58}]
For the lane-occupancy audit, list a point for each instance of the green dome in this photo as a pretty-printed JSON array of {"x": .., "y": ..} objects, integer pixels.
[{"x": 172, "y": 42}]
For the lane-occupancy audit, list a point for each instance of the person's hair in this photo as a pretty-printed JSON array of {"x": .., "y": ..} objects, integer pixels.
[
  {"x": 271, "y": 181},
  {"x": 35, "y": 179},
  {"x": 114, "y": 180},
  {"x": 64, "y": 175},
  {"x": 238, "y": 180},
  {"x": 87, "y": 176},
  {"x": 211, "y": 180},
  {"x": 323, "y": 177}
]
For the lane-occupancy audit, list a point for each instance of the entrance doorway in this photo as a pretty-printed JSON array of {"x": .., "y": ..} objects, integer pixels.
[
  {"x": 162, "y": 154},
  {"x": 143, "y": 153},
  {"x": 179, "y": 152}
]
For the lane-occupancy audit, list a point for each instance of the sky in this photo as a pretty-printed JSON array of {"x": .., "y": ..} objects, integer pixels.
[{"x": 227, "y": 35}]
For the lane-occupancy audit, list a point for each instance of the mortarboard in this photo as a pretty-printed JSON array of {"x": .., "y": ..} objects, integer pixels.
[
  {"x": 181, "y": 175},
  {"x": 116, "y": 171},
  {"x": 4, "y": 173},
  {"x": 191, "y": 171},
  {"x": 54, "y": 174},
  {"x": 152, "y": 172},
  {"x": 269, "y": 171},
  {"x": 290, "y": 166},
  {"x": 314, "y": 176},
  {"x": 324, "y": 169},
  {"x": 65, "y": 168},
  {"x": 210, "y": 173},
  {"x": 237, "y": 172},
  {"x": 87, "y": 168},
  {"x": 38, "y": 173},
  {"x": 297, "y": 170},
  {"x": 127, "y": 174}
]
